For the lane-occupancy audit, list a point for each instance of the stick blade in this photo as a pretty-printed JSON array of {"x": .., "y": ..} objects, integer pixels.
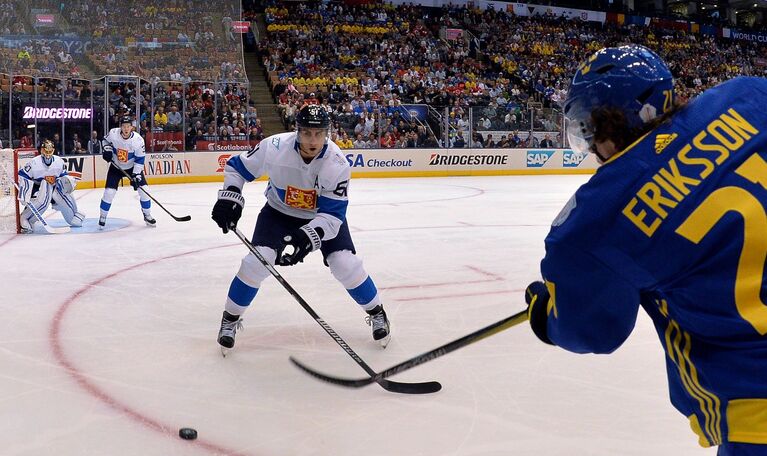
[
  {"x": 388, "y": 385},
  {"x": 185, "y": 218}
]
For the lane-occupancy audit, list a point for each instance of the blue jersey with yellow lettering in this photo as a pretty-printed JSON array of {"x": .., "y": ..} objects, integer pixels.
[{"x": 677, "y": 224}]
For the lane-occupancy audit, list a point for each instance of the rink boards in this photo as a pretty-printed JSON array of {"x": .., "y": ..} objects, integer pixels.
[{"x": 187, "y": 167}]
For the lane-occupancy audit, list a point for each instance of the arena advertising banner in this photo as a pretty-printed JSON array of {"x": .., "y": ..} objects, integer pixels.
[
  {"x": 187, "y": 167},
  {"x": 223, "y": 145},
  {"x": 164, "y": 141},
  {"x": 755, "y": 37}
]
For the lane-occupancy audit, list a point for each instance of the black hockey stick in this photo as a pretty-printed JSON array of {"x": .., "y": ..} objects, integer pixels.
[
  {"x": 394, "y": 387},
  {"x": 469, "y": 339},
  {"x": 184, "y": 218}
]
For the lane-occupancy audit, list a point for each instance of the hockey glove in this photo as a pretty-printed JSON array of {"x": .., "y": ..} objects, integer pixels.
[
  {"x": 228, "y": 209},
  {"x": 106, "y": 151},
  {"x": 135, "y": 181},
  {"x": 537, "y": 298},
  {"x": 303, "y": 240}
]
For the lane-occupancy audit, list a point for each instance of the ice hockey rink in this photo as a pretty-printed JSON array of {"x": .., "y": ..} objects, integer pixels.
[{"x": 108, "y": 339}]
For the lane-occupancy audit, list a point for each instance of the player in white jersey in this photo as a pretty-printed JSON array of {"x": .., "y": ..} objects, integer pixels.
[
  {"x": 124, "y": 148},
  {"x": 43, "y": 181},
  {"x": 306, "y": 201}
]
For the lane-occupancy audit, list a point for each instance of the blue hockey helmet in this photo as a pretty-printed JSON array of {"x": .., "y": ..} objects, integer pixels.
[{"x": 630, "y": 78}]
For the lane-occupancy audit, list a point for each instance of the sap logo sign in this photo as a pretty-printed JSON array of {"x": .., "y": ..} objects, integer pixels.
[
  {"x": 538, "y": 158},
  {"x": 355, "y": 160},
  {"x": 572, "y": 159}
]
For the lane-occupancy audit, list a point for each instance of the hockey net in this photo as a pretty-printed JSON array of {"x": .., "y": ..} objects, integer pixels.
[{"x": 9, "y": 205}]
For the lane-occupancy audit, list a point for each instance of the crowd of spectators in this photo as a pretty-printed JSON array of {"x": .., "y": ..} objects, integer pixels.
[
  {"x": 511, "y": 72},
  {"x": 179, "y": 40}
]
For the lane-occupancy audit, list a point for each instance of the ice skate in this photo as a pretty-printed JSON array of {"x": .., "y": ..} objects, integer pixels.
[
  {"x": 102, "y": 221},
  {"x": 228, "y": 332},
  {"x": 380, "y": 323},
  {"x": 150, "y": 221}
]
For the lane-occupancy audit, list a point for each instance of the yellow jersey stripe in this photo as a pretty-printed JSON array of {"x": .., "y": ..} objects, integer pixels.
[{"x": 673, "y": 338}]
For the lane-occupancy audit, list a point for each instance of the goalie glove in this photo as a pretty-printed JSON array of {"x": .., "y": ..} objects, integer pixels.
[
  {"x": 228, "y": 209},
  {"x": 66, "y": 184},
  {"x": 303, "y": 240},
  {"x": 537, "y": 298},
  {"x": 106, "y": 151}
]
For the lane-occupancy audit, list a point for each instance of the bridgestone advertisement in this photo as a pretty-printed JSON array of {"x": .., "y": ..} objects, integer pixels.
[{"x": 184, "y": 167}]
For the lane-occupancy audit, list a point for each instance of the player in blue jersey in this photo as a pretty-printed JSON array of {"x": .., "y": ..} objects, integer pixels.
[
  {"x": 305, "y": 210},
  {"x": 674, "y": 221}
]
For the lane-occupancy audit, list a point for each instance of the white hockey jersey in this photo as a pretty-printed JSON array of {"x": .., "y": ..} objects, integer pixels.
[
  {"x": 128, "y": 153},
  {"x": 36, "y": 171},
  {"x": 316, "y": 191}
]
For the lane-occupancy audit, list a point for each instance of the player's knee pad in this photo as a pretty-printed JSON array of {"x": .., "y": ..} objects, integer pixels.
[
  {"x": 347, "y": 268},
  {"x": 109, "y": 195},
  {"x": 252, "y": 272}
]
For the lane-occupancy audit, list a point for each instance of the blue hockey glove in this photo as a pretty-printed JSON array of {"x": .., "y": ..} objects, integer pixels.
[
  {"x": 106, "y": 151},
  {"x": 303, "y": 240},
  {"x": 537, "y": 298},
  {"x": 228, "y": 209}
]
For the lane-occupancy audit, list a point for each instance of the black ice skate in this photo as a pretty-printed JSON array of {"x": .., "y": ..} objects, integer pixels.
[
  {"x": 102, "y": 221},
  {"x": 150, "y": 221},
  {"x": 380, "y": 323},
  {"x": 229, "y": 326}
]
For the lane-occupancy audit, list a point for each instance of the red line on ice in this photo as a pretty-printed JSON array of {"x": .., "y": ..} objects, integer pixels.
[{"x": 54, "y": 336}]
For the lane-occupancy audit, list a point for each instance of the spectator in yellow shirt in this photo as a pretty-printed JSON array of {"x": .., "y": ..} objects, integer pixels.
[{"x": 160, "y": 118}]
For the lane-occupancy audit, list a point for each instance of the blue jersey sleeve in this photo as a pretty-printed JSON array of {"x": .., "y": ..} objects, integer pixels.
[{"x": 594, "y": 309}]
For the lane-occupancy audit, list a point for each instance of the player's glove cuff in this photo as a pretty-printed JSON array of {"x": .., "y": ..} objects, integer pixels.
[
  {"x": 231, "y": 195},
  {"x": 314, "y": 235},
  {"x": 537, "y": 298}
]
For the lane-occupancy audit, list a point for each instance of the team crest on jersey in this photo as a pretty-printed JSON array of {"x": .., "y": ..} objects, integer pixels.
[
  {"x": 300, "y": 198},
  {"x": 50, "y": 179},
  {"x": 122, "y": 155}
]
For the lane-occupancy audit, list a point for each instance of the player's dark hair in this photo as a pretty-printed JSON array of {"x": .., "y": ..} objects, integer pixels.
[{"x": 611, "y": 124}]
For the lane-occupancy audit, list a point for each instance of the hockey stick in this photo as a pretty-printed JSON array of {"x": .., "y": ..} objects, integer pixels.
[
  {"x": 395, "y": 387},
  {"x": 469, "y": 339},
  {"x": 47, "y": 227},
  {"x": 184, "y": 218}
]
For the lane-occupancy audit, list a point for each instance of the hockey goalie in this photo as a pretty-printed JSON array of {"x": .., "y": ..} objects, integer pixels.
[{"x": 43, "y": 181}]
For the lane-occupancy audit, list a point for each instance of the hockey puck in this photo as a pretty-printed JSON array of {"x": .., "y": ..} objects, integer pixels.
[{"x": 187, "y": 433}]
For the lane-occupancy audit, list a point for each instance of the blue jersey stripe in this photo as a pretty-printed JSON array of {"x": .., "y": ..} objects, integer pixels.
[
  {"x": 236, "y": 163},
  {"x": 139, "y": 160},
  {"x": 334, "y": 207}
]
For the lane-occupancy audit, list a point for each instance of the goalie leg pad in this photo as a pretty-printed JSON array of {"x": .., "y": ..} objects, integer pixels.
[
  {"x": 68, "y": 207},
  {"x": 347, "y": 268}
]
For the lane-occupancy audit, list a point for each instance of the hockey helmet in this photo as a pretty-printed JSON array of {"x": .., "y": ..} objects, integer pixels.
[
  {"x": 312, "y": 116},
  {"x": 47, "y": 149},
  {"x": 631, "y": 78}
]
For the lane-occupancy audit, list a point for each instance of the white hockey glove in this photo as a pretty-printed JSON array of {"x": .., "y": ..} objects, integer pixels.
[{"x": 66, "y": 184}]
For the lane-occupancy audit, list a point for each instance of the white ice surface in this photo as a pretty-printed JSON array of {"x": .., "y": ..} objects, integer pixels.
[{"x": 107, "y": 339}]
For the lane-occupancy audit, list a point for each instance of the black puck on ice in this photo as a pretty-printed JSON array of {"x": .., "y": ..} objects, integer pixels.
[{"x": 187, "y": 433}]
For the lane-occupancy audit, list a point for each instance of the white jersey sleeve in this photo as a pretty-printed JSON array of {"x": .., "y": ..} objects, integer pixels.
[
  {"x": 129, "y": 154},
  {"x": 246, "y": 167}
]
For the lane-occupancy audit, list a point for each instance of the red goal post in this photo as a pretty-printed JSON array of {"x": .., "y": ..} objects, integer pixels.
[{"x": 10, "y": 160}]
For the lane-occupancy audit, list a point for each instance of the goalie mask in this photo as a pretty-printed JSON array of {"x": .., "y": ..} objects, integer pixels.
[
  {"x": 312, "y": 125},
  {"x": 47, "y": 150}
]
